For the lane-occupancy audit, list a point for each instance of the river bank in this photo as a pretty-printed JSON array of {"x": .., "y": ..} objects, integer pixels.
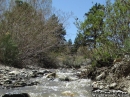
[
  {"x": 64, "y": 82},
  {"x": 113, "y": 76}
]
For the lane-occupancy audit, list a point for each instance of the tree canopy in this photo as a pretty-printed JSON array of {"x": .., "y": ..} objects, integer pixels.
[
  {"x": 30, "y": 27},
  {"x": 92, "y": 27}
]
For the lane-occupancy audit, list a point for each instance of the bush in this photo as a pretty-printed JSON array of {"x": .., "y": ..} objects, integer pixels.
[
  {"x": 104, "y": 56},
  {"x": 74, "y": 61},
  {"x": 8, "y": 50},
  {"x": 127, "y": 45},
  {"x": 47, "y": 60}
]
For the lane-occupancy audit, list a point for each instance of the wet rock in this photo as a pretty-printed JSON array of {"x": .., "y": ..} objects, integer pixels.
[
  {"x": 72, "y": 78},
  {"x": 62, "y": 77},
  {"x": 100, "y": 85},
  {"x": 83, "y": 73},
  {"x": 51, "y": 75},
  {"x": 7, "y": 81},
  {"x": 16, "y": 95},
  {"x": 36, "y": 73},
  {"x": 14, "y": 73},
  {"x": 95, "y": 85}
]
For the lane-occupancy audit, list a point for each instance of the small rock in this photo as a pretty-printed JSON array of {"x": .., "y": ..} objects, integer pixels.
[
  {"x": 68, "y": 93},
  {"x": 107, "y": 87},
  {"x": 113, "y": 85},
  {"x": 101, "y": 87}
]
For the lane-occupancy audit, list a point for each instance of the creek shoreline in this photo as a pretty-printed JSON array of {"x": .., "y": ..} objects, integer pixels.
[
  {"x": 113, "y": 77},
  {"x": 103, "y": 79}
]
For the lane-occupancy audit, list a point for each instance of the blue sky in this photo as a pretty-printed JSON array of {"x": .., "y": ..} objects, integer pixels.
[{"x": 79, "y": 8}]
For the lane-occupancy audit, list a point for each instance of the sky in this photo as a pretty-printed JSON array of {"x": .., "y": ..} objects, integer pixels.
[{"x": 78, "y": 8}]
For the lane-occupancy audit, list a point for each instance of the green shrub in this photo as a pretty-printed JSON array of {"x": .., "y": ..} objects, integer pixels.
[
  {"x": 127, "y": 45},
  {"x": 104, "y": 56},
  {"x": 8, "y": 50},
  {"x": 74, "y": 61},
  {"x": 47, "y": 60},
  {"x": 68, "y": 62}
]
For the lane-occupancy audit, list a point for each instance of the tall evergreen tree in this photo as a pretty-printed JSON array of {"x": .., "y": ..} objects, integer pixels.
[
  {"x": 93, "y": 24},
  {"x": 56, "y": 28},
  {"x": 91, "y": 28}
]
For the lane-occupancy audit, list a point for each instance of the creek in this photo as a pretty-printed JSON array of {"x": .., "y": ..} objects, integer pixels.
[
  {"x": 49, "y": 87},
  {"x": 50, "y": 83}
]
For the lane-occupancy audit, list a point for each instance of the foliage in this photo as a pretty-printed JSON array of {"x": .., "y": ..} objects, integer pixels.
[
  {"x": 47, "y": 60},
  {"x": 69, "y": 42},
  {"x": 127, "y": 45},
  {"x": 105, "y": 55},
  {"x": 57, "y": 33},
  {"x": 91, "y": 28},
  {"x": 106, "y": 30},
  {"x": 117, "y": 21},
  {"x": 34, "y": 29},
  {"x": 8, "y": 50},
  {"x": 79, "y": 41},
  {"x": 74, "y": 61}
]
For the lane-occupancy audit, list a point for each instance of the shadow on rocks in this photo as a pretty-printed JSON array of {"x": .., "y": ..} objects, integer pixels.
[{"x": 17, "y": 95}]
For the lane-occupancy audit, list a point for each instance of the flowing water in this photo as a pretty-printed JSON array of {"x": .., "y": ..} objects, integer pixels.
[{"x": 56, "y": 88}]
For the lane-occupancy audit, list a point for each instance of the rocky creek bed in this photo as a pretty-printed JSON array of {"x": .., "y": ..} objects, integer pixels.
[{"x": 41, "y": 82}]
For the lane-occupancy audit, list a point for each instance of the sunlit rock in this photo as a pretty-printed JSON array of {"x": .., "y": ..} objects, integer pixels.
[
  {"x": 51, "y": 75},
  {"x": 14, "y": 73},
  {"x": 102, "y": 75},
  {"x": 68, "y": 93},
  {"x": 113, "y": 85},
  {"x": 95, "y": 85}
]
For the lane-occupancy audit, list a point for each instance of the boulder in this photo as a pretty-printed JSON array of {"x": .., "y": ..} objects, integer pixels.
[
  {"x": 14, "y": 72},
  {"x": 95, "y": 85},
  {"x": 113, "y": 85},
  {"x": 63, "y": 77}
]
